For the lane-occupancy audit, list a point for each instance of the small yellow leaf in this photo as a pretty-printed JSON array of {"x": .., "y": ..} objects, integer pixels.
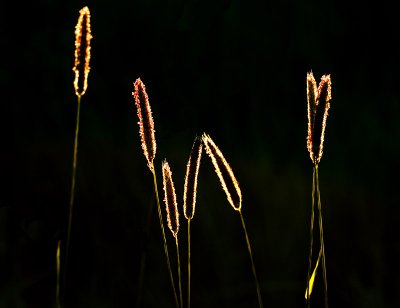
[{"x": 312, "y": 279}]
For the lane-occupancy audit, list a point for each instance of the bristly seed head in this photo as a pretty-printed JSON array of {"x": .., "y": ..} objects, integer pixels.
[
  {"x": 192, "y": 171},
  {"x": 82, "y": 51},
  {"x": 318, "y": 100},
  {"x": 224, "y": 172},
  {"x": 170, "y": 200},
  {"x": 146, "y": 123}
]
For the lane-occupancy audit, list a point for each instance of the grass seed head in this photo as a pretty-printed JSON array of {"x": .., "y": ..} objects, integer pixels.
[
  {"x": 318, "y": 105},
  {"x": 224, "y": 172},
  {"x": 146, "y": 123},
  {"x": 192, "y": 171},
  {"x": 170, "y": 199},
  {"x": 83, "y": 35}
]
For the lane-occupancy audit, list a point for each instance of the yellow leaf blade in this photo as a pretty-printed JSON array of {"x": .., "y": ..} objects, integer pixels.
[{"x": 312, "y": 278}]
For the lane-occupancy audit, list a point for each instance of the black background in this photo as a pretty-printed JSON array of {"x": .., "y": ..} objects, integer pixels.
[{"x": 236, "y": 70}]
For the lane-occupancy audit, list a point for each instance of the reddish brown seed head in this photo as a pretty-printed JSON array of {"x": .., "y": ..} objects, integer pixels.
[
  {"x": 146, "y": 123},
  {"x": 170, "y": 200}
]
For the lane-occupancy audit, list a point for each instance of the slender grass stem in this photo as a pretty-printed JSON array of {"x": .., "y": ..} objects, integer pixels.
[
  {"x": 163, "y": 235},
  {"x": 72, "y": 195},
  {"x": 311, "y": 240},
  {"x": 189, "y": 275},
  {"x": 74, "y": 163},
  {"x": 58, "y": 266},
  {"x": 260, "y": 304},
  {"x": 179, "y": 271},
  {"x": 321, "y": 234}
]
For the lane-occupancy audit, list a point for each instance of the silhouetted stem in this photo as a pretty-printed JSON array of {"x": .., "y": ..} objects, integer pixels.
[
  {"x": 311, "y": 240},
  {"x": 179, "y": 271},
  {"x": 321, "y": 235},
  {"x": 164, "y": 238},
  {"x": 252, "y": 261},
  {"x": 58, "y": 265},
  {"x": 72, "y": 195},
  {"x": 189, "y": 263}
]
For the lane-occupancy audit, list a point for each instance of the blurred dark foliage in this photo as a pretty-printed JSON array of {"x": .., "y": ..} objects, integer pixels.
[{"x": 236, "y": 70}]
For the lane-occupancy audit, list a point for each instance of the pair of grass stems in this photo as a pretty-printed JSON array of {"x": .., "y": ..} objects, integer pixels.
[
  {"x": 318, "y": 105},
  {"x": 223, "y": 170},
  {"x": 147, "y": 135},
  {"x": 316, "y": 196}
]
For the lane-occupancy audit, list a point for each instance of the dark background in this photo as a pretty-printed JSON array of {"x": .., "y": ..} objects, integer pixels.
[{"x": 236, "y": 70}]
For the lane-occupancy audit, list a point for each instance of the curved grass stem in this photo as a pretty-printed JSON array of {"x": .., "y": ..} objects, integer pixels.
[
  {"x": 260, "y": 304},
  {"x": 58, "y": 265},
  {"x": 72, "y": 194},
  {"x": 74, "y": 163},
  {"x": 163, "y": 235},
  {"x": 179, "y": 271},
  {"x": 189, "y": 275},
  {"x": 321, "y": 235},
  {"x": 311, "y": 240}
]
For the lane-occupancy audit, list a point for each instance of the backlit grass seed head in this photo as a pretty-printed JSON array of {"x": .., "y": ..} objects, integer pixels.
[
  {"x": 83, "y": 35},
  {"x": 224, "y": 172},
  {"x": 317, "y": 112},
  {"x": 170, "y": 200},
  {"x": 312, "y": 93},
  {"x": 192, "y": 171},
  {"x": 146, "y": 123}
]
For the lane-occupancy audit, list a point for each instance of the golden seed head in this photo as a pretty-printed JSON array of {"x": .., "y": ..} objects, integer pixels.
[
  {"x": 192, "y": 171},
  {"x": 170, "y": 200},
  {"x": 82, "y": 51},
  {"x": 318, "y": 100},
  {"x": 224, "y": 172},
  {"x": 312, "y": 93},
  {"x": 146, "y": 123}
]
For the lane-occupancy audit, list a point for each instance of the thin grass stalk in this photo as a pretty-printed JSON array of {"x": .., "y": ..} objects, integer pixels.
[
  {"x": 163, "y": 234},
  {"x": 321, "y": 234},
  {"x": 189, "y": 269},
  {"x": 58, "y": 267},
  {"x": 309, "y": 290},
  {"x": 260, "y": 303},
  {"x": 189, "y": 194},
  {"x": 72, "y": 194},
  {"x": 179, "y": 271},
  {"x": 74, "y": 164},
  {"x": 233, "y": 193}
]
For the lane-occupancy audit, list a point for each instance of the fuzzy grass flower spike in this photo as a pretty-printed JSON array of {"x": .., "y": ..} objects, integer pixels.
[{"x": 318, "y": 105}]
